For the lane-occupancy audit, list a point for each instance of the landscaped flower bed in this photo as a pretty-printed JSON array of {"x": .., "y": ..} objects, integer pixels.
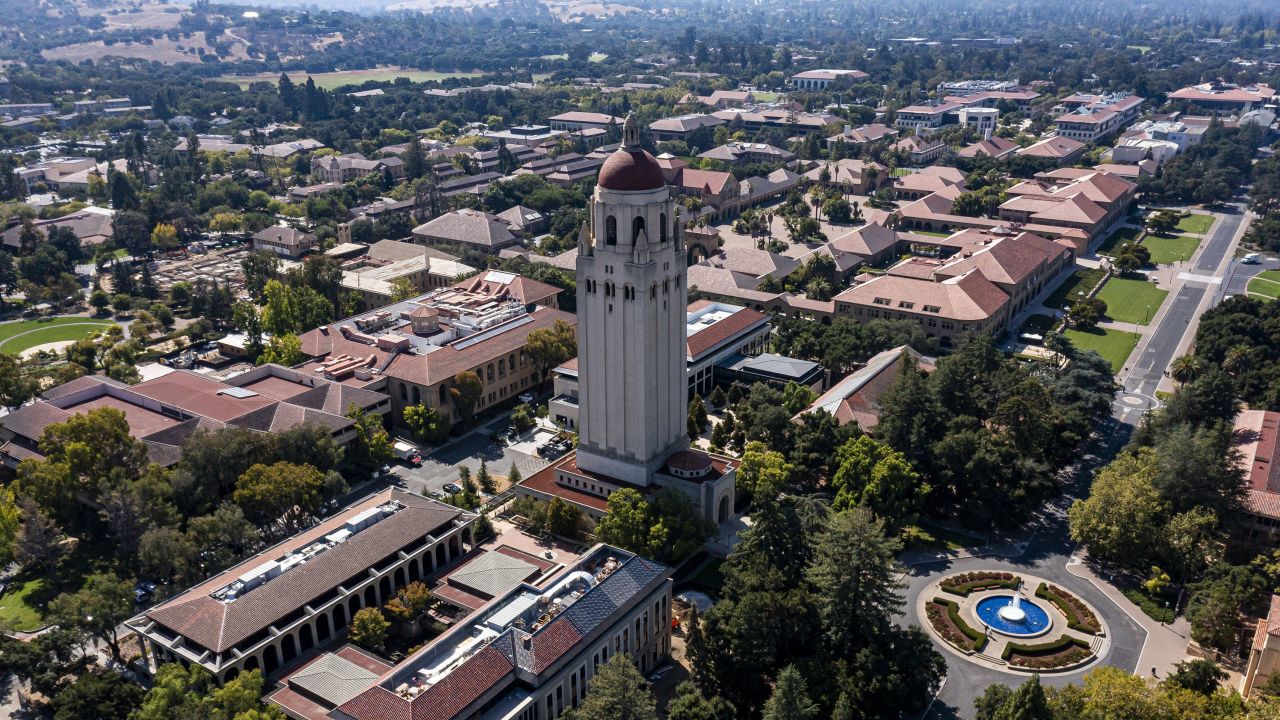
[
  {"x": 944, "y": 615},
  {"x": 1079, "y": 617},
  {"x": 1062, "y": 652},
  {"x": 965, "y": 583}
]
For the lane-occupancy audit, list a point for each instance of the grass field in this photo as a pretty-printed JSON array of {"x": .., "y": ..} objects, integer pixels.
[
  {"x": 18, "y": 336},
  {"x": 1113, "y": 345},
  {"x": 1266, "y": 284},
  {"x": 1131, "y": 301},
  {"x": 931, "y": 233},
  {"x": 331, "y": 80},
  {"x": 1168, "y": 250},
  {"x": 1195, "y": 223},
  {"x": 929, "y": 537},
  {"x": 22, "y": 607},
  {"x": 1121, "y": 236},
  {"x": 1080, "y": 282}
]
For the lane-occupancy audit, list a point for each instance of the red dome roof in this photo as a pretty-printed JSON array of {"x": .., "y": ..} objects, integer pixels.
[
  {"x": 689, "y": 461},
  {"x": 631, "y": 170}
]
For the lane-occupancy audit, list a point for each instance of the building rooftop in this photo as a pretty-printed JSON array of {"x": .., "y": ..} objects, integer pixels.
[
  {"x": 856, "y": 398},
  {"x": 709, "y": 325}
]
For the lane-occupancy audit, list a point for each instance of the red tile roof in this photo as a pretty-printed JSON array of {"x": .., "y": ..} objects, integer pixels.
[{"x": 709, "y": 337}]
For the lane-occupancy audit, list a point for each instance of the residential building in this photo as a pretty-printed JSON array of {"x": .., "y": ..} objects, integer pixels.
[
  {"x": 859, "y": 177},
  {"x": 715, "y": 332},
  {"x": 523, "y": 221},
  {"x": 1222, "y": 98},
  {"x": 164, "y": 410},
  {"x": 1090, "y": 118},
  {"x": 856, "y": 398},
  {"x": 1059, "y": 148},
  {"x": 91, "y": 224},
  {"x": 721, "y": 99},
  {"x": 531, "y": 652},
  {"x": 743, "y": 153},
  {"x": 927, "y": 181},
  {"x": 921, "y": 150},
  {"x": 822, "y": 79},
  {"x": 994, "y": 147},
  {"x": 568, "y": 174},
  {"x": 352, "y": 166},
  {"x": 412, "y": 350},
  {"x": 264, "y": 612},
  {"x": 466, "y": 229},
  {"x": 285, "y": 241},
  {"x": 376, "y": 276},
  {"x": 50, "y": 172},
  {"x": 681, "y": 127},
  {"x": 492, "y": 159},
  {"x": 863, "y": 137},
  {"x": 577, "y": 120},
  {"x": 632, "y": 352}
]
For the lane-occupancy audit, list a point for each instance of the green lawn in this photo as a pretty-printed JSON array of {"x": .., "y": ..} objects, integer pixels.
[
  {"x": 1122, "y": 235},
  {"x": 18, "y": 336},
  {"x": 900, "y": 172},
  {"x": 22, "y": 605},
  {"x": 930, "y": 537},
  {"x": 1113, "y": 345},
  {"x": 931, "y": 233},
  {"x": 1131, "y": 301},
  {"x": 1169, "y": 250},
  {"x": 1266, "y": 284},
  {"x": 1074, "y": 287},
  {"x": 1195, "y": 223}
]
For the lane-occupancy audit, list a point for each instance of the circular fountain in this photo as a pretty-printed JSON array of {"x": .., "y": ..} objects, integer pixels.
[{"x": 1012, "y": 615}]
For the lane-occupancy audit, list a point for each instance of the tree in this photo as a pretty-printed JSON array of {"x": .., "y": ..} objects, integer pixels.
[
  {"x": 427, "y": 423},
  {"x": 167, "y": 553},
  {"x": 1162, "y": 222},
  {"x": 790, "y": 698},
  {"x": 179, "y": 692},
  {"x": 410, "y": 601},
  {"x": 1197, "y": 675},
  {"x": 837, "y": 210},
  {"x": 467, "y": 390},
  {"x": 855, "y": 581},
  {"x": 563, "y": 519},
  {"x": 764, "y": 472},
  {"x": 98, "y": 694},
  {"x": 10, "y": 525},
  {"x": 259, "y": 266},
  {"x": 485, "y": 480},
  {"x": 16, "y": 382},
  {"x": 368, "y": 628},
  {"x": 283, "y": 350},
  {"x": 690, "y": 704},
  {"x": 164, "y": 236},
  {"x": 626, "y": 520},
  {"x": 280, "y": 492},
  {"x": 98, "y": 608},
  {"x": 1087, "y": 313},
  {"x": 39, "y": 541},
  {"x": 1121, "y": 519},
  {"x": 717, "y": 398},
  {"x": 548, "y": 347},
  {"x": 874, "y": 475},
  {"x": 1186, "y": 368},
  {"x": 402, "y": 288},
  {"x": 617, "y": 691}
]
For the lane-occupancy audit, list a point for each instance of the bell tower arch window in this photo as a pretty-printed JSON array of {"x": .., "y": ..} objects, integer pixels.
[
  {"x": 611, "y": 230},
  {"x": 662, "y": 228},
  {"x": 637, "y": 227}
]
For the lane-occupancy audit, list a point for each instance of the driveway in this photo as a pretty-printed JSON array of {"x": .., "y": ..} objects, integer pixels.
[{"x": 441, "y": 466}]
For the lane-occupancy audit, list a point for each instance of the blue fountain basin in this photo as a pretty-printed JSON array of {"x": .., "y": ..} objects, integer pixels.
[{"x": 1034, "y": 622}]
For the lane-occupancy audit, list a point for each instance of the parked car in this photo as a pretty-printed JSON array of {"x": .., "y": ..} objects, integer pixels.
[
  {"x": 452, "y": 488},
  {"x": 1251, "y": 259},
  {"x": 526, "y": 398}
]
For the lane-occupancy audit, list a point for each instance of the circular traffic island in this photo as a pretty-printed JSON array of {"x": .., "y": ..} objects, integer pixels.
[{"x": 1013, "y": 622}]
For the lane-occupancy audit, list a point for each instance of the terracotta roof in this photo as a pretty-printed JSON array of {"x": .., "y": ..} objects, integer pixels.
[
  {"x": 468, "y": 227},
  {"x": 577, "y": 116},
  {"x": 712, "y": 181},
  {"x": 969, "y": 297},
  {"x": 218, "y": 626},
  {"x": 520, "y": 288},
  {"x": 630, "y": 171},
  {"x": 1056, "y": 147},
  {"x": 994, "y": 147},
  {"x": 856, "y": 398},
  {"x": 1007, "y": 260},
  {"x": 752, "y": 261},
  {"x": 713, "y": 335}
]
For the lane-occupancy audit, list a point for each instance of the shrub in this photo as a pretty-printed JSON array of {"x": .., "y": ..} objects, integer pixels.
[
  {"x": 966, "y": 583},
  {"x": 1063, "y": 651},
  {"x": 1079, "y": 617},
  {"x": 953, "y": 628}
]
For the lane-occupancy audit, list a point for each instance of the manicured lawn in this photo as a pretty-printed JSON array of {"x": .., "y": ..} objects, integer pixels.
[
  {"x": 1122, "y": 235},
  {"x": 21, "y": 605},
  {"x": 18, "y": 336},
  {"x": 1156, "y": 608},
  {"x": 930, "y": 537},
  {"x": 1169, "y": 250},
  {"x": 1196, "y": 223},
  {"x": 931, "y": 233},
  {"x": 1113, "y": 345},
  {"x": 1266, "y": 284},
  {"x": 900, "y": 172},
  {"x": 1074, "y": 287},
  {"x": 1131, "y": 301}
]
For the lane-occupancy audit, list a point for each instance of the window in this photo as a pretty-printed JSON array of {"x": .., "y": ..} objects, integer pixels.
[
  {"x": 637, "y": 227},
  {"x": 611, "y": 230},
  {"x": 906, "y": 304},
  {"x": 662, "y": 229},
  {"x": 404, "y": 392},
  {"x": 882, "y": 301},
  {"x": 932, "y": 308},
  {"x": 417, "y": 396}
]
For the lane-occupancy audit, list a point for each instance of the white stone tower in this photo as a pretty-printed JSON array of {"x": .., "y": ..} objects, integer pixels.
[{"x": 631, "y": 320}]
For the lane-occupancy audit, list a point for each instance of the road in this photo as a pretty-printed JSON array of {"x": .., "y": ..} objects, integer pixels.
[{"x": 1050, "y": 550}]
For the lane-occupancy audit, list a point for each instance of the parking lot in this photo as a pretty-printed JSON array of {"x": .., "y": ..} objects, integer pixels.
[{"x": 441, "y": 466}]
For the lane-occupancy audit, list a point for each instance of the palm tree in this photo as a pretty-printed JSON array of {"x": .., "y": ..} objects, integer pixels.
[
  {"x": 1237, "y": 359},
  {"x": 1185, "y": 368}
]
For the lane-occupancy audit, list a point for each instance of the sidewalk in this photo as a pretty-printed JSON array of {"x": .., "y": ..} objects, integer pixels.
[{"x": 1165, "y": 646}]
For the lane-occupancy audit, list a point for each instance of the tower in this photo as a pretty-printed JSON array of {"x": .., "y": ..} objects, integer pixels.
[{"x": 631, "y": 275}]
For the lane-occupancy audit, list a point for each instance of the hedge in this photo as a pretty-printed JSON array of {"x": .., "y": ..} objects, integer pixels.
[
  {"x": 976, "y": 637},
  {"x": 1079, "y": 617},
  {"x": 966, "y": 583},
  {"x": 1049, "y": 648}
]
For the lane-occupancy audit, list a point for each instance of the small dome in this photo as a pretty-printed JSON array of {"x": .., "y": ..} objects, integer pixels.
[
  {"x": 631, "y": 170},
  {"x": 688, "y": 463}
]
